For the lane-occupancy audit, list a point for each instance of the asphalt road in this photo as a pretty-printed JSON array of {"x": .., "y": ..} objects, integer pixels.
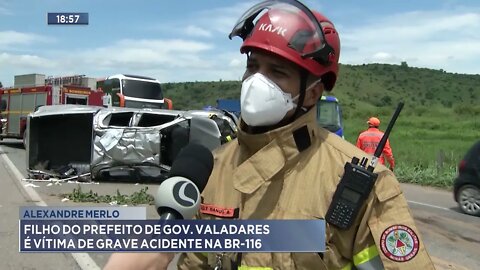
[{"x": 451, "y": 238}]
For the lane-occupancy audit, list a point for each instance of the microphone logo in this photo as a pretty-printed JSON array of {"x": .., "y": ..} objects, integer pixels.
[{"x": 185, "y": 193}]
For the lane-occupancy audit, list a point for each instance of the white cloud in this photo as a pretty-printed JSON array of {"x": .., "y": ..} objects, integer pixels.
[
  {"x": 383, "y": 57},
  {"x": 236, "y": 63},
  {"x": 193, "y": 30},
  {"x": 25, "y": 61},
  {"x": 435, "y": 39},
  {"x": 205, "y": 23},
  {"x": 13, "y": 38},
  {"x": 213, "y": 69},
  {"x": 145, "y": 53},
  {"x": 223, "y": 19},
  {"x": 15, "y": 64},
  {"x": 174, "y": 57}
]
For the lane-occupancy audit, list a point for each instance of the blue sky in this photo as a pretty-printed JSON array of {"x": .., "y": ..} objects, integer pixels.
[{"x": 177, "y": 41}]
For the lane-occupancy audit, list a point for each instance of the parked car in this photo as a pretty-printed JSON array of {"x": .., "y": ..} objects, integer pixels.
[{"x": 467, "y": 184}]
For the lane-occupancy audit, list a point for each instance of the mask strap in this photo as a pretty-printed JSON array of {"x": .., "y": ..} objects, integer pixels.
[
  {"x": 301, "y": 97},
  {"x": 308, "y": 89}
]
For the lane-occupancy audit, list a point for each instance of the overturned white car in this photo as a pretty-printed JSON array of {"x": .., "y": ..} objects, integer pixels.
[{"x": 67, "y": 141}]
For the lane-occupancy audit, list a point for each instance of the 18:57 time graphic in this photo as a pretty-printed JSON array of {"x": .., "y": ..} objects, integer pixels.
[{"x": 67, "y": 18}]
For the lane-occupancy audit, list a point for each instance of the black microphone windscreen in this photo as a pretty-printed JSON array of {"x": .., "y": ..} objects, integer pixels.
[{"x": 194, "y": 162}]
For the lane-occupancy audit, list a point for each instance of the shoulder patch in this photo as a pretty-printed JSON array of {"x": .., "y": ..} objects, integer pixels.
[{"x": 399, "y": 243}]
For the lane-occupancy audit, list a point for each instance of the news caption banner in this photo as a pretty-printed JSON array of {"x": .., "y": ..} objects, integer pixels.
[{"x": 126, "y": 229}]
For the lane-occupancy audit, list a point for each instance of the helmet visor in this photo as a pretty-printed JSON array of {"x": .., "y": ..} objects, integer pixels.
[{"x": 290, "y": 20}]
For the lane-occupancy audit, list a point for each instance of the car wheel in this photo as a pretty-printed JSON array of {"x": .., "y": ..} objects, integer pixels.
[{"x": 469, "y": 200}]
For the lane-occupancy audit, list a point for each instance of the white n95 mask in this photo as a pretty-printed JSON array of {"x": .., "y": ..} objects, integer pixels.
[{"x": 262, "y": 101}]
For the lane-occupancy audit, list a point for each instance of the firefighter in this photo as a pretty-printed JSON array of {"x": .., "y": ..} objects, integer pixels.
[
  {"x": 284, "y": 166},
  {"x": 369, "y": 140}
]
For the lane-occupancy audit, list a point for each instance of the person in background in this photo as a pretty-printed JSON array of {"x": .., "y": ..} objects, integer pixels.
[
  {"x": 283, "y": 165},
  {"x": 369, "y": 139}
]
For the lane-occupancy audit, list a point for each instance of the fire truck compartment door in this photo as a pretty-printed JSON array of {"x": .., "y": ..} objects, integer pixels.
[
  {"x": 40, "y": 100},
  {"x": 28, "y": 103},
  {"x": 3, "y": 104},
  {"x": 76, "y": 99},
  {"x": 14, "y": 115}
]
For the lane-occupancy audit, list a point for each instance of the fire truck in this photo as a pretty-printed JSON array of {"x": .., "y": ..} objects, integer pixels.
[{"x": 31, "y": 91}]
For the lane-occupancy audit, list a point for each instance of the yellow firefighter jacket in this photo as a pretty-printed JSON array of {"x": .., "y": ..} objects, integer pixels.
[{"x": 292, "y": 173}]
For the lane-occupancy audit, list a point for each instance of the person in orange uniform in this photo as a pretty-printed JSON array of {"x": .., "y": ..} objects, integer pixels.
[{"x": 369, "y": 140}]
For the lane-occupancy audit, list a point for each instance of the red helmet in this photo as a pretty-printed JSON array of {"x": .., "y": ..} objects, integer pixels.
[
  {"x": 289, "y": 29},
  {"x": 373, "y": 121}
]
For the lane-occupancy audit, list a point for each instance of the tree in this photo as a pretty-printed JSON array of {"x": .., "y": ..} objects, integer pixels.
[
  {"x": 386, "y": 100},
  {"x": 429, "y": 95},
  {"x": 1, "y": 85}
]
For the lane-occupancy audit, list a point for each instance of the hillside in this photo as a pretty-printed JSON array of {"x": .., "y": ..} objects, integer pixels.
[
  {"x": 372, "y": 85},
  {"x": 440, "y": 120}
]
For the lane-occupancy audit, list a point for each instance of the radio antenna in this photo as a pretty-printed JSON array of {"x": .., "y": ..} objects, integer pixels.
[{"x": 383, "y": 141}]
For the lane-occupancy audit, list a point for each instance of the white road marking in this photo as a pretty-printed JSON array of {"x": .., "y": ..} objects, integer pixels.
[
  {"x": 83, "y": 259},
  {"x": 431, "y": 205}
]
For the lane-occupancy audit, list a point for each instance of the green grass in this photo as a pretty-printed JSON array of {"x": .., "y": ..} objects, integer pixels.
[
  {"x": 428, "y": 146},
  {"x": 430, "y": 175},
  {"x": 136, "y": 198}
]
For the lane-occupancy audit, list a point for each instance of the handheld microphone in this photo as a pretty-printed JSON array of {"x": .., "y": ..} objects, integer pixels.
[{"x": 178, "y": 197}]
